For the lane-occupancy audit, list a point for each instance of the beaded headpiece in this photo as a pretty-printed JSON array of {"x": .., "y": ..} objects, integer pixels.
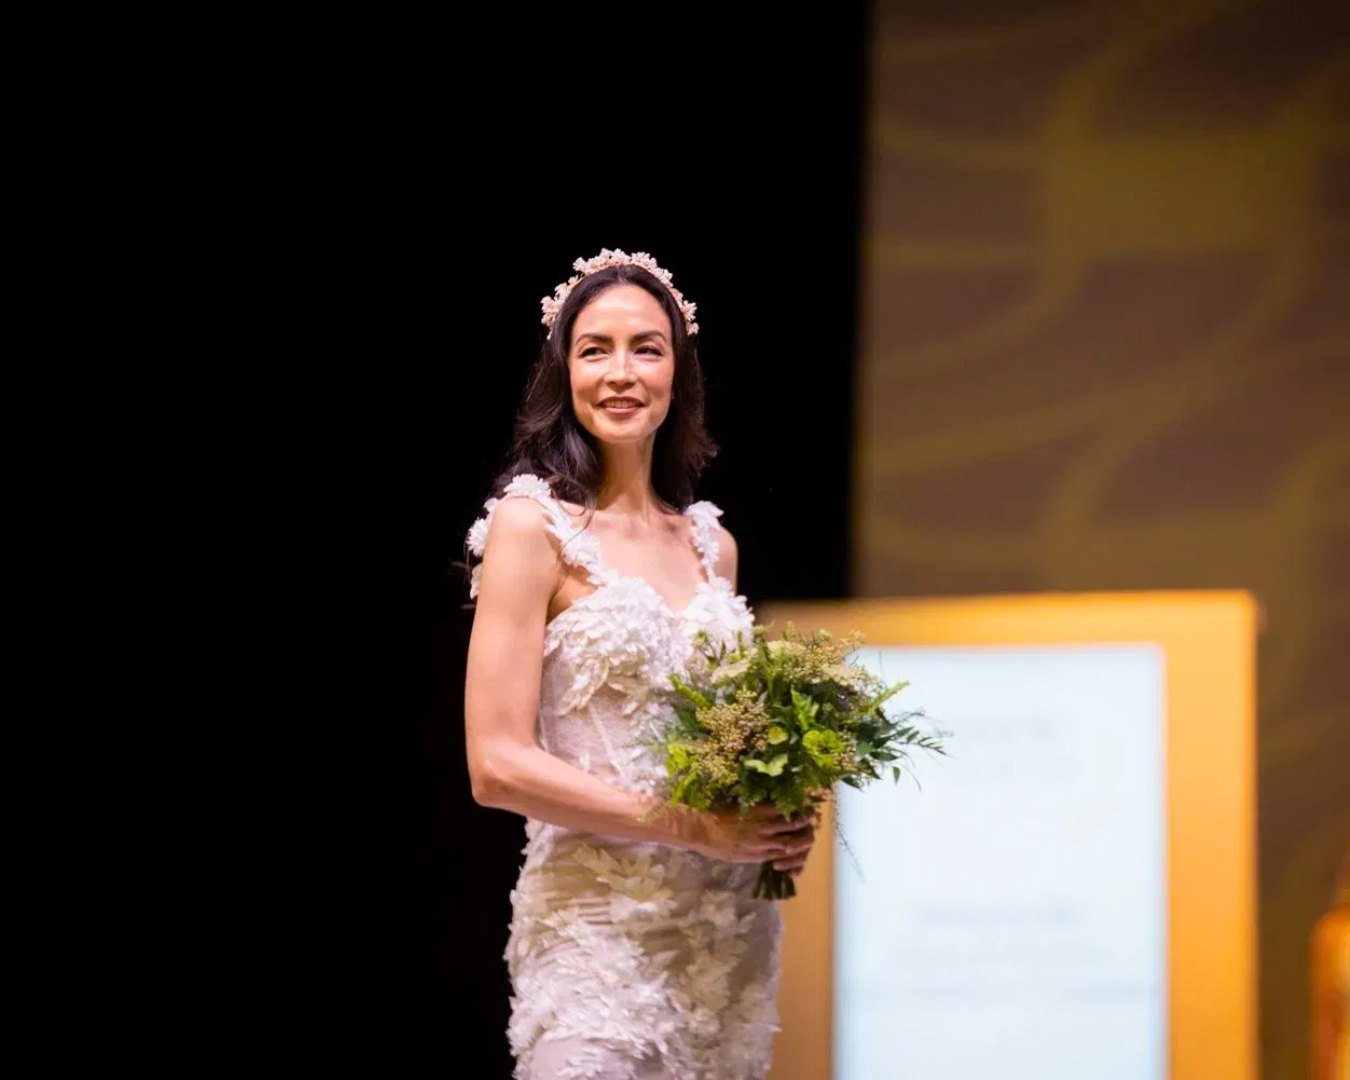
[{"x": 607, "y": 257}]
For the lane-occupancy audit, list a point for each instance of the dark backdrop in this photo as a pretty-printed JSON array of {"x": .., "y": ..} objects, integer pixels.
[{"x": 731, "y": 153}]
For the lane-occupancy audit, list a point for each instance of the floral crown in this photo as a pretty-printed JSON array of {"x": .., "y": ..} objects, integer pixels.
[{"x": 607, "y": 257}]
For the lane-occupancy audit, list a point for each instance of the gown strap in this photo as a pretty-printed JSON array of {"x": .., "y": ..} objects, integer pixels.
[
  {"x": 704, "y": 515},
  {"x": 579, "y": 546}
]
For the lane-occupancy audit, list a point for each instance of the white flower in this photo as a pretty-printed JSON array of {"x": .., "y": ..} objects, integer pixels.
[
  {"x": 616, "y": 257},
  {"x": 478, "y": 536},
  {"x": 528, "y": 484},
  {"x": 618, "y": 645},
  {"x": 705, "y": 515},
  {"x": 727, "y": 672}
]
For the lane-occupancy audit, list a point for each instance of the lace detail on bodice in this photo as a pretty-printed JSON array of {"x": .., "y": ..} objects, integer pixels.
[
  {"x": 609, "y": 655},
  {"x": 628, "y": 957},
  {"x": 579, "y": 546}
]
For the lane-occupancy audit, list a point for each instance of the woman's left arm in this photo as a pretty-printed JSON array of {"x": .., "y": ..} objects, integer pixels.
[{"x": 727, "y": 555}]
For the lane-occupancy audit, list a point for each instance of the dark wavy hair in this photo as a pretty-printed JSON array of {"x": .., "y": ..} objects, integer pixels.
[{"x": 548, "y": 439}]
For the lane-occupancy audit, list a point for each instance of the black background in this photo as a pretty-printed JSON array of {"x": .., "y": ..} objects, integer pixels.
[{"x": 388, "y": 209}]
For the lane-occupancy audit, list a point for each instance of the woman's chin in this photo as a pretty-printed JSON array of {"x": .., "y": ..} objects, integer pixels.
[
  {"x": 623, "y": 438},
  {"x": 614, "y": 430}
]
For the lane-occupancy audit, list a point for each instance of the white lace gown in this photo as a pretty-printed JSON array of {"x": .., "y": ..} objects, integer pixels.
[{"x": 631, "y": 960}]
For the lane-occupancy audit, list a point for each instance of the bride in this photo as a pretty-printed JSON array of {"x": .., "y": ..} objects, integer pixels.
[{"x": 635, "y": 949}]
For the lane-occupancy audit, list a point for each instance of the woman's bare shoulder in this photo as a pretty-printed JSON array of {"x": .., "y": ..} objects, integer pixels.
[
  {"x": 520, "y": 555},
  {"x": 728, "y": 554},
  {"x": 521, "y": 527}
]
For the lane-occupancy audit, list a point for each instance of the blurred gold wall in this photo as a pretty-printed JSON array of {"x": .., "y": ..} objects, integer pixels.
[{"x": 1106, "y": 345}]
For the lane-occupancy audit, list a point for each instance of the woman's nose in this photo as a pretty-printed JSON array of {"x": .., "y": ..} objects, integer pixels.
[{"x": 618, "y": 362}]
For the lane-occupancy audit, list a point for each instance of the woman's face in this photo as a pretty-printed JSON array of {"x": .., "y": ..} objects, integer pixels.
[{"x": 621, "y": 348}]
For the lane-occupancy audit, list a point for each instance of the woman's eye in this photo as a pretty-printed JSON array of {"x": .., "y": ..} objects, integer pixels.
[{"x": 650, "y": 349}]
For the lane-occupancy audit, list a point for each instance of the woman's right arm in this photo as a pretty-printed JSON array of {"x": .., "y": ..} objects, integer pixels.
[{"x": 509, "y": 770}]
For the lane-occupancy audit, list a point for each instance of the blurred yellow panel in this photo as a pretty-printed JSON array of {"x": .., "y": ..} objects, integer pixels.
[{"x": 1209, "y": 641}]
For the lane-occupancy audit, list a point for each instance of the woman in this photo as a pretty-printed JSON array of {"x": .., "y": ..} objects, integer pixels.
[{"x": 636, "y": 949}]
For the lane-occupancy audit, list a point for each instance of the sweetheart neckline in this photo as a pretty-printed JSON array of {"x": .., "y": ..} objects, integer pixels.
[{"x": 681, "y": 614}]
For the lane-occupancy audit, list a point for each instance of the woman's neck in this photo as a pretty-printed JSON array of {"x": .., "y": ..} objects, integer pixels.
[{"x": 626, "y": 488}]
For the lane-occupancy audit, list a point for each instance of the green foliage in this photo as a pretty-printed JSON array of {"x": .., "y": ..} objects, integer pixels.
[
  {"x": 771, "y": 768},
  {"x": 822, "y": 718}
]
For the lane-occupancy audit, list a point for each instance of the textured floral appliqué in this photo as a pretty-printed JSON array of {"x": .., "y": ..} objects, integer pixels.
[
  {"x": 621, "y": 644},
  {"x": 638, "y": 885},
  {"x": 624, "y": 953},
  {"x": 579, "y": 546}
]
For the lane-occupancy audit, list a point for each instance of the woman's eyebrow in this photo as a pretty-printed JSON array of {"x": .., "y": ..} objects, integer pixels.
[{"x": 635, "y": 337}]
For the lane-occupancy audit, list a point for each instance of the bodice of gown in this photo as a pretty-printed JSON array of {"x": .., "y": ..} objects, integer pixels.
[{"x": 605, "y": 685}]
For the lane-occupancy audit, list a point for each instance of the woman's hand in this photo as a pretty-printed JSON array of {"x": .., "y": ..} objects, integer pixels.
[
  {"x": 794, "y": 862},
  {"x": 762, "y": 836}
]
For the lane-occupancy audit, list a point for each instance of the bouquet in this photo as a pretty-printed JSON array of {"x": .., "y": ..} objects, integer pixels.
[{"x": 780, "y": 722}]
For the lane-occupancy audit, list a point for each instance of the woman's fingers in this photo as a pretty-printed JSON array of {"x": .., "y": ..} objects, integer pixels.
[
  {"x": 793, "y": 855},
  {"x": 784, "y": 841},
  {"x": 780, "y": 846},
  {"x": 794, "y": 842},
  {"x": 794, "y": 825}
]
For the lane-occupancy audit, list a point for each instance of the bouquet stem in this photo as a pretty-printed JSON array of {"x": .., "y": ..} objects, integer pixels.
[{"x": 774, "y": 884}]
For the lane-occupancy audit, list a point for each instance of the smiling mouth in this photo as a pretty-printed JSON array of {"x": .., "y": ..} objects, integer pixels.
[{"x": 621, "y": 406}]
